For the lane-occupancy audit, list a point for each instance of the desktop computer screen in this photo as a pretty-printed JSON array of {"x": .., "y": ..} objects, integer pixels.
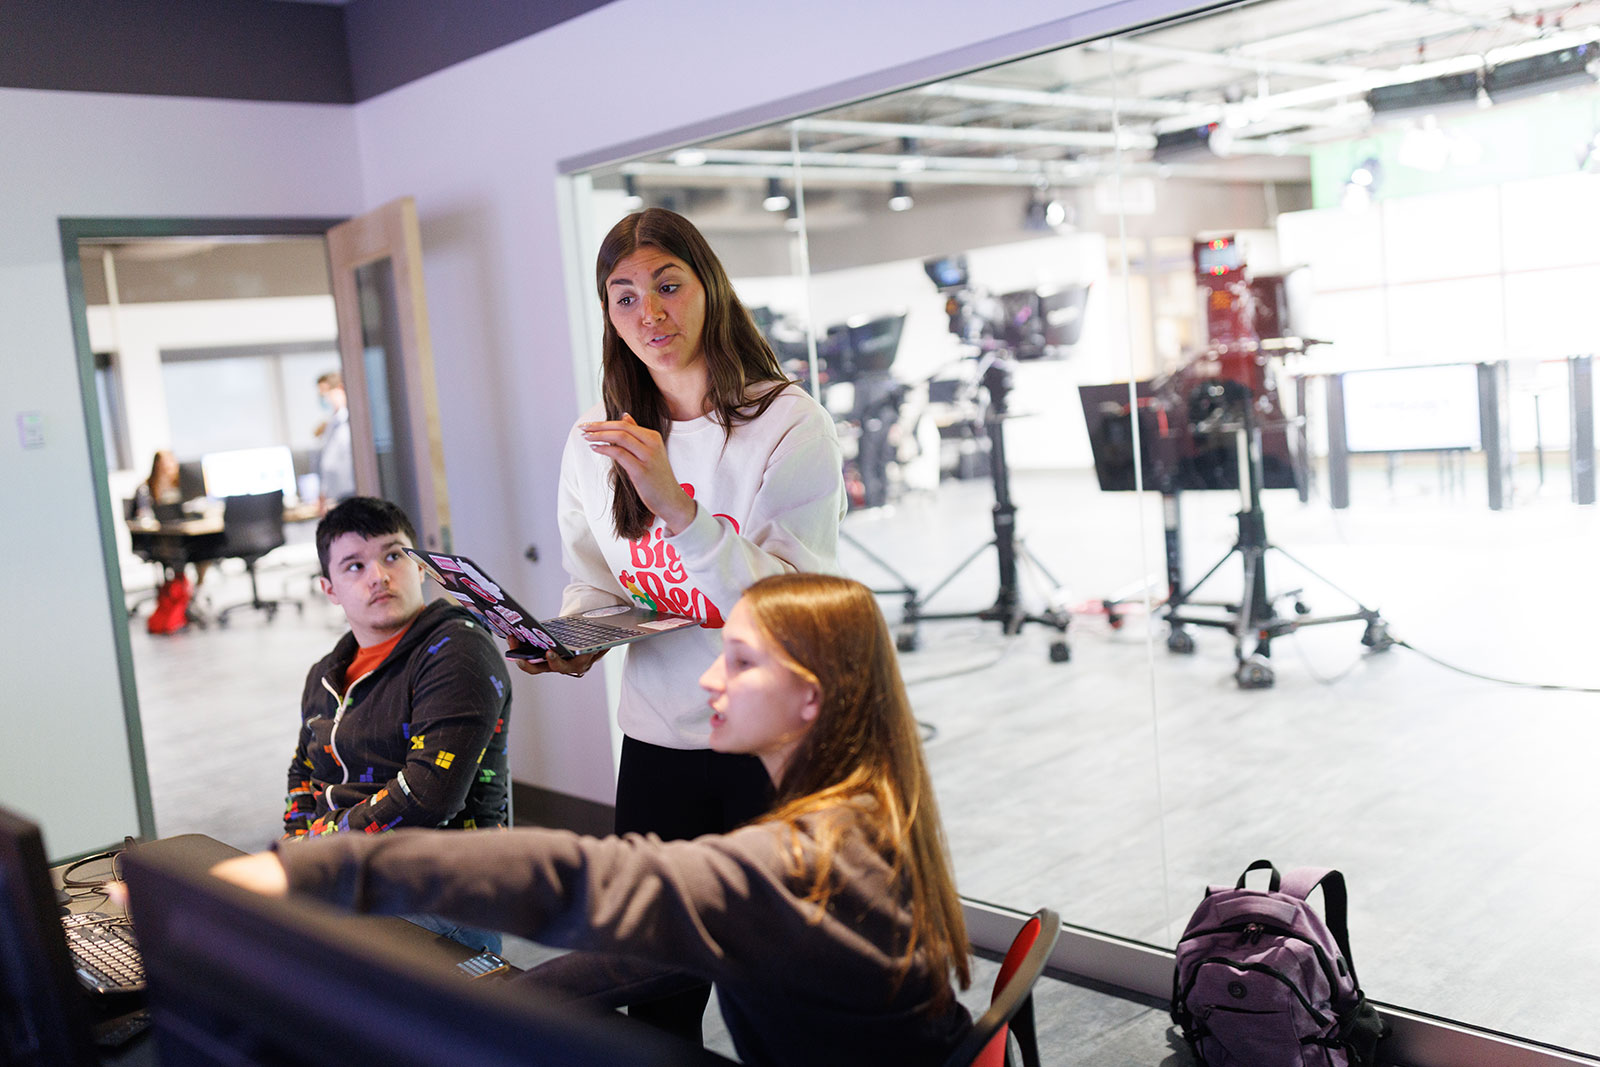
[
  {"x": 874, "y": 342},
  {"x": 947, "y": 272},
  {"x": 191, "y": 479},
  {"x": 44, "y": 1020},
  {"x": 246, "y": 471},
  {"x": 1061, "y": 314},
  {"x": 236, "y": 978}
]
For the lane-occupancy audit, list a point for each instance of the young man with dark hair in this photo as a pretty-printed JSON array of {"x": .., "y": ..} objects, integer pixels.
[{"x": 403, "y": 724}]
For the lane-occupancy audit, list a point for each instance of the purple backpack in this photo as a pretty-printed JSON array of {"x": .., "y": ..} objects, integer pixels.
[{"x": 1262, "y": 981}]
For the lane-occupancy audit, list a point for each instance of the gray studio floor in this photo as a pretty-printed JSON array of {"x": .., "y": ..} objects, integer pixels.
[{"x": 1114, "y": 787}]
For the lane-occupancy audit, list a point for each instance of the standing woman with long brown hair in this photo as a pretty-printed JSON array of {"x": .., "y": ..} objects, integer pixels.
[{"x": 704, "y": 470}]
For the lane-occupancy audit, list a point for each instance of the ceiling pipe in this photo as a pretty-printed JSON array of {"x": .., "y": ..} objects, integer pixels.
[
  {"x": 901, "y": 164},
  {"x": 1230, "y": 60},
  {"x": 1076, "y": 173},
  {"x": 994, "y": 94},
  {"x": 978, "y": 134}
]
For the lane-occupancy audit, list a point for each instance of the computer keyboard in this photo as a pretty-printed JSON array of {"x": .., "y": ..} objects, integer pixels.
[
  {"x": 577, "y": 634},
  {"x": 104, "y": 952}
]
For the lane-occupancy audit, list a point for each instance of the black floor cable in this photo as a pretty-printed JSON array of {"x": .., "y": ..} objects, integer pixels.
[
  {"x": 1548, "y": 686},
  {"x": 974, "y": 669},
  {"x": 1339, "y": 531},
  {"x": 1551, "y": 687},
  {"x": 1318, "y": 678}
]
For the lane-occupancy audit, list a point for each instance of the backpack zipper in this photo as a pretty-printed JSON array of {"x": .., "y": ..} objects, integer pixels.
[{"x": 1255, "y": 929}]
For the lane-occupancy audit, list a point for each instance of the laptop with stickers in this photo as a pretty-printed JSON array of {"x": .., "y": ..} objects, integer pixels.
[{"x": 568, "y": 635}]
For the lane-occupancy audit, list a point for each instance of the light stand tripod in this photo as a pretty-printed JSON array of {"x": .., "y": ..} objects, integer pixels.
[
  {"x": 1253, "y": 617},
  {"x": 1007, "y": 608}
]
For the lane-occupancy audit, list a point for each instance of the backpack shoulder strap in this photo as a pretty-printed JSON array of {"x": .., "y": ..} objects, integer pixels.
[{"x": 1301, "y": 881}]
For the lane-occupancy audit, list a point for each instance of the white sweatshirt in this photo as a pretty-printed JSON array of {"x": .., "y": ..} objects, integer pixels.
[{"x": 770, "y": 500}]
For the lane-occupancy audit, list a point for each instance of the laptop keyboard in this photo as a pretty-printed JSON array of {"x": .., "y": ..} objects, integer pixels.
[
  {"x": 577, "y": 634},
  {"x": 104, "y": 952}
]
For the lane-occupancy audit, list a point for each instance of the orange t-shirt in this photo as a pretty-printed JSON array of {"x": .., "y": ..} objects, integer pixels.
[{"x": 369, "y": 657}]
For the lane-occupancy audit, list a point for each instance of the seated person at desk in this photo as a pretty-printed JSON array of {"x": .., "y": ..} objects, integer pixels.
[
  {"x": 404, "y": 722},
  {"x": 162, "y": 488},
  {"x": 830, "y": 926}
]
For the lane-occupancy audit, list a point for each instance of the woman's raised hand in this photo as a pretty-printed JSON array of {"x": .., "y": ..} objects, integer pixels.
[
  {"x": 576, "y": 667},
  {"x": 642, "y": 453}
]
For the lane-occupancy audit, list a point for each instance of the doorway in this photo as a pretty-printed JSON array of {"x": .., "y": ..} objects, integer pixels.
[{"x": 214, "y": 341}]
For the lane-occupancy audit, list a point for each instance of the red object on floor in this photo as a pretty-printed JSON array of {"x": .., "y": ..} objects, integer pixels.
[{"x": 172, "y": 606}]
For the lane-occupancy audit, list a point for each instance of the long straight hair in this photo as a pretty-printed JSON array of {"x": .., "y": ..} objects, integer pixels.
[
  {"x": 863, "y": 744},
  {"x": 737, "y": 355}
]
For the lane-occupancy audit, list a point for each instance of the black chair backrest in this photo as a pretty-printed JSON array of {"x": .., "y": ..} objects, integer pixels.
[
  {"x": 252, "y": 525},
  {"x": 169, "y": 512}
]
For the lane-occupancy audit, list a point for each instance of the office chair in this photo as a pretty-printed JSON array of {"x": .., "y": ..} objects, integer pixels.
[
  {"x": 130, "y": 511},
  {"x": 252, "y": 526},
  {"x": 1011, "y": 1007}
]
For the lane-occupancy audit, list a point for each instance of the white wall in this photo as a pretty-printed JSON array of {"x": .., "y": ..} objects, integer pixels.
[
  {"x": 84, "y": 155},
  {"x": 139, "y": 333},
  {"x": 479, "y": 146}
]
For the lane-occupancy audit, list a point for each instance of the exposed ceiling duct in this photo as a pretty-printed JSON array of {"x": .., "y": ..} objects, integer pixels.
[{"x": 1266, "y": 82}]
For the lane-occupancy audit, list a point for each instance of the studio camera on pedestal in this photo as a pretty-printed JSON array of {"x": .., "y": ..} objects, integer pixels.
[{"x": 1217, "y": 423}]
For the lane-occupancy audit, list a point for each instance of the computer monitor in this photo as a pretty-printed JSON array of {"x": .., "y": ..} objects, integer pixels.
[
  {"x": 44, "y": 1016},
  {"x": 1409, "y": 409},
  {"x": 235, "y": 978},
  {"x": 1021, "y": 326},
  {"x": 1061, "y": 314},
  {"x": 247, "y": 471},
  {"x": 874, "y": 342},
  {"x": 946, "y": 272},
  {"x": 191, "y": 479}
]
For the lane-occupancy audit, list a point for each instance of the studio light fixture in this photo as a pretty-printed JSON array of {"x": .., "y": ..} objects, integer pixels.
[
  {"x": 1187, "y": 142},
  {"x": 1547, "y": 73},
  {"x": 631, "y": 200},
  {"x": 1362, "y": 185},
  {"x": 689, "y": 157},
  {"x": 1044, "y": 212},
  {"x": 1425, "y": 96},
  {"x": 1365, "y": 173},
  {"x": 900, "y": 197},
  {"x": 776, "y": 199}
]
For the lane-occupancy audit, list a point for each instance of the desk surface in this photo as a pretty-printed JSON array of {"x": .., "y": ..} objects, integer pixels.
[
  {"x": 200, "y": 524},
  {"x": 211, "y": 521}
]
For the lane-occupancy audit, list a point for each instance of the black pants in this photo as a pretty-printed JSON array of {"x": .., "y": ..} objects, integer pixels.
[{"x": 678, "y": 794}]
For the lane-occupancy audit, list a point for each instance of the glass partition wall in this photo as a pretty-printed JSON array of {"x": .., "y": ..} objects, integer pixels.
[{"x": 1052, "y": 302}]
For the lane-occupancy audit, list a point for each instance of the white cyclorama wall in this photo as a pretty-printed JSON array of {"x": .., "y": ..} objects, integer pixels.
[
  {"x": 1466, "y": 276},
  {"x": 479, "y": 146},
  {"x": 99, "y": 155}
]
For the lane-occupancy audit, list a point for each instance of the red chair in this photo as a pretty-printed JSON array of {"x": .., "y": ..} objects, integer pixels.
[{"x": 1011, "y": 1005}]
